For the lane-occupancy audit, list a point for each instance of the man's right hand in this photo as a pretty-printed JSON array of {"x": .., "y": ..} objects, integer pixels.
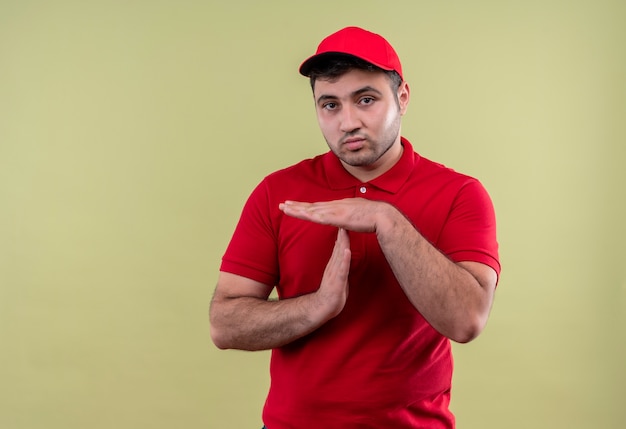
[{"x": 331, "y": 297}]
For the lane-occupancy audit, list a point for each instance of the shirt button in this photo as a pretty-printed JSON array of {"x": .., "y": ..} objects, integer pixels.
[{"x": 363, "y": 189}]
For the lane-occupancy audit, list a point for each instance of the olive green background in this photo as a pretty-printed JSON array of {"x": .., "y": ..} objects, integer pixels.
[{"x": 131, "y": 133}]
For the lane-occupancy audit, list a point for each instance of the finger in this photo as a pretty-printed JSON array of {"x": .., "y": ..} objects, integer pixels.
[
  {"x": 312, "y": 212},
  {"x": 295, "y": 205},
  {"x": 338, "y": 253},
  {"x": 343, "y": 238},
  {"x": 297, "y": 209},
  {"x": 341, "y": 253}
]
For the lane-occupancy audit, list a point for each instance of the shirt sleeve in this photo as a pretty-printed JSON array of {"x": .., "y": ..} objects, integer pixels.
[
  {"x": 252, "y": 251},
  {"x": 469, "y": 233}
]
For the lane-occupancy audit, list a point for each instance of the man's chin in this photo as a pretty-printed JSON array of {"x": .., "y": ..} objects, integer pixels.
[{"x": 356, "y": 159}]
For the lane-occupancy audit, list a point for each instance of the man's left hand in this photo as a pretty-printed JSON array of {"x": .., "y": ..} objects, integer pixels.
[{"x": 353, "y": 214}]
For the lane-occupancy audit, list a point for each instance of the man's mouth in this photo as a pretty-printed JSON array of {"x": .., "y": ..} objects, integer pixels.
[{"x": 354, "y": 144}]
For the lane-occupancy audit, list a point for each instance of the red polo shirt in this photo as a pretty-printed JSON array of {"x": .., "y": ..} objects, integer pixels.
[{"x": 378, "y": 364}]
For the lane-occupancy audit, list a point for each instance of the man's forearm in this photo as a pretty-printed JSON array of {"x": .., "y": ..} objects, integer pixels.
[
  {"x": 250, "y": 323},
  {"x": 445, "y": 293},
  {"x": 243, "y": 318}
]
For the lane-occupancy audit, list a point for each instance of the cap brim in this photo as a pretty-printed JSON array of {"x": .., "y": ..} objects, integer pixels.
[{"x": 311, "y": 62}]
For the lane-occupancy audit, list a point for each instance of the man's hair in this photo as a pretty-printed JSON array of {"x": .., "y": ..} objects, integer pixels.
[{"x": 334, "y": 66}]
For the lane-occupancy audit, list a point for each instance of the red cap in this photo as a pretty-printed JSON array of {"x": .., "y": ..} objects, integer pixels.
[{"x": 359, "y": 43}]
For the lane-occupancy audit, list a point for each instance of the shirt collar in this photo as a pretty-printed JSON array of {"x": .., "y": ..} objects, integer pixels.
[{"x": 390, "y": 181}]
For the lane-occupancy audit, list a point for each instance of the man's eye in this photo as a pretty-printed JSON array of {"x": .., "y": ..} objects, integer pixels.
[
  {"x": 367, "y": 100},
  {"x": 330, "y": 106}
]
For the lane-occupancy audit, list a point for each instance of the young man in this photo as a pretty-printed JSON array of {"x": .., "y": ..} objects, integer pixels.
[{"x": 379, "y": 256}]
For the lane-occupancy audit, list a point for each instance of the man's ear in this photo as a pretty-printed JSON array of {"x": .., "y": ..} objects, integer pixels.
[{"x": 404, "y": 94}]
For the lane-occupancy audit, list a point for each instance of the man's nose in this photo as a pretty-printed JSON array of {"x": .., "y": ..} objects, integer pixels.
[{"x": 349, "y": 120}]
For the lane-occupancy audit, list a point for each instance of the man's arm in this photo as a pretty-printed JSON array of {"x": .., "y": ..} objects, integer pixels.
[
  {"x": 242, "y": 317},
  {"x": 455, "y": 298}
]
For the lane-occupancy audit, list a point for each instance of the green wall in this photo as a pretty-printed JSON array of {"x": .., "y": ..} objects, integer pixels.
[{"x": 131, "y": 133}]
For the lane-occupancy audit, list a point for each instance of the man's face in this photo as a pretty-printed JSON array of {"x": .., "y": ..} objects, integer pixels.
[{"x": 359, "y": 115}]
